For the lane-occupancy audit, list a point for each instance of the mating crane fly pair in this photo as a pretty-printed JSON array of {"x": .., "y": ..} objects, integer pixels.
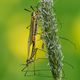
[{"x": 32, "y": 36}]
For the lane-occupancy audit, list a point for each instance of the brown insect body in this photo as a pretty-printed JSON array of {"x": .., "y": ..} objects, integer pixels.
[{"x": 32, "y": 36}]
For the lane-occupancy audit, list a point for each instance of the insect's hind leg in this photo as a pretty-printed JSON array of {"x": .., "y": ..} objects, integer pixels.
[
  {"x": 23, "y": 70},
  {"x": 65, "y": 62},
  {"x": 34, "y": 64},
  {"x": 26, "y": 72},
  {"x": 68, "y": 41},
  {"x": 24, "y": 67}
]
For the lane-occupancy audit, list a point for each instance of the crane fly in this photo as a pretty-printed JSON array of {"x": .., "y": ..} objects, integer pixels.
[{"x": 32, "y": 37}]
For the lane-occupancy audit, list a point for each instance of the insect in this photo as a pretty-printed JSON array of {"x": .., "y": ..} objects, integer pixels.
[{"x": 32, "y": 36}]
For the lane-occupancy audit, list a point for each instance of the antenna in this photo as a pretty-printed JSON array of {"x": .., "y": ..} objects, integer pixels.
[{"x": 27, "y": 10}]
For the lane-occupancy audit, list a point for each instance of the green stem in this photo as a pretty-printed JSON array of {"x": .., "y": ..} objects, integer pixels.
[{"x": 49, "y": 27}]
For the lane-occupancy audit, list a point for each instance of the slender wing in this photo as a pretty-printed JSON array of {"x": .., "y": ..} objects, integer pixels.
[
  {"x": 36, "y": 24},
  {"x": 31, "y": 40},
  {"x": 30, "y": 37}
]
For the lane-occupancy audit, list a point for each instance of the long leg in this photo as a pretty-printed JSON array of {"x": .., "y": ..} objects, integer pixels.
[
  {"x": 68, "y": 64},
  {"x": 68, "y": 40},
  {"x": 24, "y": 68},
  {"x": 26, "y": 65},
  {"x": 32, "y": 8},
  {"x": 34, "y": 63},
  {"x": 27, "y": 10}
]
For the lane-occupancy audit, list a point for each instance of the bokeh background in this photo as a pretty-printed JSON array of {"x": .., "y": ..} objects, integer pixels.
[{"x": 14, "y": 36}]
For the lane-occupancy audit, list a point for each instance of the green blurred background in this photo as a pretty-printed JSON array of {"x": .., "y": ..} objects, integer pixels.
[{"x": 13, "y": 38}]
